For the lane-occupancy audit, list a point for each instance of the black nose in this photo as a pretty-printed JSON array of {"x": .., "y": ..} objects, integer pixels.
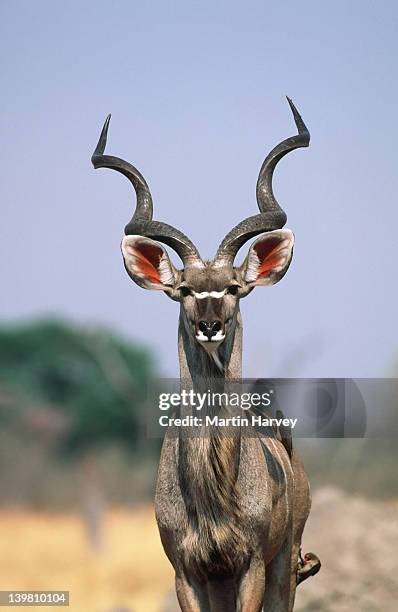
[{"x": 209, "y": 328}]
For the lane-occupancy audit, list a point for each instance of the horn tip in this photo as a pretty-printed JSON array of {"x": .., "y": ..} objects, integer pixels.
[
  {"x": 107, "y": 122},
  {"x": 302, "y": 128},
  {"x": 100, "y": 148},
  {"x": 292, "y": 106}
]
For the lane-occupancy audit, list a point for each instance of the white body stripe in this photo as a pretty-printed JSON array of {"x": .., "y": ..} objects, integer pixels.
[{"x": 276, "y": 452}]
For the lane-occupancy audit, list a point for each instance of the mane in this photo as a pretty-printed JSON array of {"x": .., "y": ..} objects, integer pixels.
[{"x": 214, "y": 545}]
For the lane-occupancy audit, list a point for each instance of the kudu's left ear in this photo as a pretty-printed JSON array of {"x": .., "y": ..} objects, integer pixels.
[
  {"x": 147, "y": 263},
  {"x": 268, "y": 259}
]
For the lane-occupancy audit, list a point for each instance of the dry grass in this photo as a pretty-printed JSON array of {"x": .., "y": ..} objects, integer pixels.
[{"x": 46, "y": 551}]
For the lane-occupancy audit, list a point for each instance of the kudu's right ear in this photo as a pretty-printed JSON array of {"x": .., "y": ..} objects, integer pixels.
[{"x": 148, "y": 264}]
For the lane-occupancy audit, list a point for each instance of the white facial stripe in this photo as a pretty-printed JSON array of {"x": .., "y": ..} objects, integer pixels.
[{"x": 207, "y": 294}]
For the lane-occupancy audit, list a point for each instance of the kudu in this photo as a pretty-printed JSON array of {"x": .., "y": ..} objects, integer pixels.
[{"x": 230, "y": 509}]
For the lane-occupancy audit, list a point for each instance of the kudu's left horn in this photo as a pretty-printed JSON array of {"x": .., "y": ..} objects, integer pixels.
[
  {"x": 141, "y": 222},
  {"x": 271, "y": 216}
]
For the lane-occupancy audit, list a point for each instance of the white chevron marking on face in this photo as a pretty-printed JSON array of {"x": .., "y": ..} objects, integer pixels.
[{"x": 207, "y": 294}]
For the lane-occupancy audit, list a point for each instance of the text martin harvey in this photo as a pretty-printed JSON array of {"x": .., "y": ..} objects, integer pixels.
[{"x": 233, "y": 421}]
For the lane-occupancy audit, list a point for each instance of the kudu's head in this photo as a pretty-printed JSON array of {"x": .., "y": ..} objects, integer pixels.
[{"x": 208, "y": 291}]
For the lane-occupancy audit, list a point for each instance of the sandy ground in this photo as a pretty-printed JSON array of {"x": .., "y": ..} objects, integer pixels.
[{"x": 356, "y": 539}]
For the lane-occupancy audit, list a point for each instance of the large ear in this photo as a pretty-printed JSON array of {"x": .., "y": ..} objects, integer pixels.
[
  {"x": 269, "y": 258},
  {"x": 148, "y": 264}
]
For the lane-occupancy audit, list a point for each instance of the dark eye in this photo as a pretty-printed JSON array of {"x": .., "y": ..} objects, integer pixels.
[
  {"x": 185, "y": 291},
  {"x": 233, "y": 289}
]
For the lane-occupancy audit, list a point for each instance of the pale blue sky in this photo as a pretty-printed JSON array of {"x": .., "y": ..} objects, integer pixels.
[{"x": 196, "y": 91}]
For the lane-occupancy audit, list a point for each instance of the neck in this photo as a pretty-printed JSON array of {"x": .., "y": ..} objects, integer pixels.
[
  {"x": 199, "y": 368},
  {"x": 208, "y": 460}
]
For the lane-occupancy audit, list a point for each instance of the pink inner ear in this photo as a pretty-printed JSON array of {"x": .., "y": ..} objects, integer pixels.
[
  {"x": 268, "y": 253},
  {"x": 147, "y": 260}
]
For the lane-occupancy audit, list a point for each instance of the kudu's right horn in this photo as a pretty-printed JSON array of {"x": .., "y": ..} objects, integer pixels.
[{"x": 271, "y": 216}]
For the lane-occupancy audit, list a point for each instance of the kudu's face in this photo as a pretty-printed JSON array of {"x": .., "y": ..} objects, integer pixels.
[
  {"x": 209, "y": 300},
  {"x": 209, "y": 292}
]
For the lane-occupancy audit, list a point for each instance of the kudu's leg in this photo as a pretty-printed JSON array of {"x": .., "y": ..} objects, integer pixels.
[
  {"x": 251, "y": 588},
  {"x": 221, "y": 595},
  {"x": 191, "y": 598},
  {"x": 301, "y": 510},
  {"x": 214, "y": 596},
  {"x": 278, "y": 597}
]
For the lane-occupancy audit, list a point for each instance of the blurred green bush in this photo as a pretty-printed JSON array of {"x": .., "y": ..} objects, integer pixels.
[{"x": 95, "y": 382}]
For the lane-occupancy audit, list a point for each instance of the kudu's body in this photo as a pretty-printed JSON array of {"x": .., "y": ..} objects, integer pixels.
[
  {"x": 234, "y": 546},
  {"x": 231, "y": 509}
]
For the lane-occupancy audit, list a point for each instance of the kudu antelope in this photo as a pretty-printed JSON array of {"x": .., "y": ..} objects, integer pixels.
[{"x": 230, "y": 509}]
